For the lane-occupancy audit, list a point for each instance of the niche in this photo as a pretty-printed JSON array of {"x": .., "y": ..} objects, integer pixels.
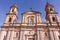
[
  {"x": 54, "y": 19},
  {"x": 10, "y": 19}
]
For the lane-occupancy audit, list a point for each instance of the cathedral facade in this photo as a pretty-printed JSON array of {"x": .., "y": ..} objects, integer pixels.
[{"x": 31, "y": 26}]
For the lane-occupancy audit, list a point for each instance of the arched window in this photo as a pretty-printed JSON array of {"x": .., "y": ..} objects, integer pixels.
[
  {"x": 10, "y": 19},
  {"x": 12, "y": 10},
  {"x": 53, "y": 18},
  {"x": 51, "y": 9}
]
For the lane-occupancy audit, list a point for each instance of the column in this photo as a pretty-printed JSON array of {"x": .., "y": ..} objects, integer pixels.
[
  {"x": 8, "y": 35},
  {"x": 12, "y": 35},
  {"x": 55, "y": 35},
  {"x": 42, "y": 35},
  {"x": 38, "y": 35},
  {"x": 21, "y": 35},
  {"x": 3, "y": 33},
  {"x": 51, "y": 35}
]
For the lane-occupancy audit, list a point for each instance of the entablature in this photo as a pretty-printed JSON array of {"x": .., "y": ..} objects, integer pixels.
[{"x": 37, "y": 25}]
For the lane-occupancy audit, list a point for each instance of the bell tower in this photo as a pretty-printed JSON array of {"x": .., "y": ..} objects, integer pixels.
[
  {"x": 14, "y": 9},
  {"x": 51, "y": 14},
  {"x": 12, "y": 15}
]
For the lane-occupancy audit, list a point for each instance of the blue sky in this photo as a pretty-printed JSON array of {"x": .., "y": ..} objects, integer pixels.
[{"x": 25, "y": 5}]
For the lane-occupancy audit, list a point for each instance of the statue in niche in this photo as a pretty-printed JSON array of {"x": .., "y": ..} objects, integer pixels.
[{"x": 30, "y": 20}]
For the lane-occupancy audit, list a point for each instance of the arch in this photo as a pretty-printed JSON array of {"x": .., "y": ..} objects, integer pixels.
[
  {"x": 12, "y": 10},
  {"x": 10, "y": 19},
  {"x": 51, "y": 9},
  {"x": 54, "y": 19}
]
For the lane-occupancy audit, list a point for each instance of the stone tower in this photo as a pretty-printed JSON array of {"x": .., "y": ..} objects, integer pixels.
[
  {"x": 11, "y": 16},
  {"x": 52, "y": 20},
  {"x": 51, "y": 14}
]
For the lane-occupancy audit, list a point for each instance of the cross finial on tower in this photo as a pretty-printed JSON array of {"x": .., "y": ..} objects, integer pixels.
[
  {"x": 47, "y": 2},
  {"x": 31, "y": 9},
  {"x": 14, "y": 5}
]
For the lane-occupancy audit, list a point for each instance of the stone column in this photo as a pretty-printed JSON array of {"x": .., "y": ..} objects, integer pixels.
[
  {"x": 51, "y": 35},
  {"x": 55, "y": 35},
  {"x": 3, "y": 33},
  {"x": 42, "y": 35},
  {"x": 38, "y": 35},
  {"x": 21, "y": 34},
  {"x": 8, "y": 35},
  {"x": 12, "y": 35}
]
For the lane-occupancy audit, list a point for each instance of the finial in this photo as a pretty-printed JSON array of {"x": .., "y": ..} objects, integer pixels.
[
  {"x": 31, "y": 9},
  {"x": 14, "y": 5},
  {"x": 47, "y": 2}
]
